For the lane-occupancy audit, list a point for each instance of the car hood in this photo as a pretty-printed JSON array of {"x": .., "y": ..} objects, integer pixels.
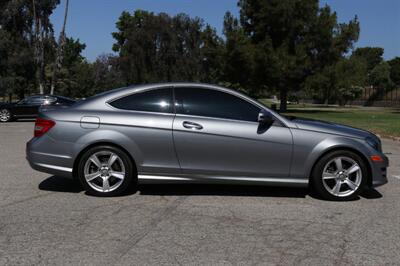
[{"x": 331, "y": 128}]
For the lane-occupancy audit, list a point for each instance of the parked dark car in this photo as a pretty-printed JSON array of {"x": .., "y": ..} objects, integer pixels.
[{"x": 29, "y": 107}]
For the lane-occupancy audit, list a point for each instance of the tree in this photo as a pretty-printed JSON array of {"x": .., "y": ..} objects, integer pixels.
[
  {"x": 343, "y": 81},
  {"x": 380, "y": 78},
  {"x": 74, "y": 76},
  {"x": 350, "y": 77},
  {"x": 16, "y": 64},
  {"x": 42, "y": 34},
  {"x": 372, "y": 56},
  {"x": 395, "y": 70},
  {"x": 61, "y": 41},
  {"x": 212, "y": 55},
  {"x": 303, "y": 38},
  {"x": 106, "y": 74},
  {"x": 237, "y": 67},
  {"x": 158, "y": 48}
]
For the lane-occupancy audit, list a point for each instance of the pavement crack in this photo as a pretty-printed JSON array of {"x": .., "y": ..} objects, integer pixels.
[
  {"x": 26, "y": 199},
  {"x": 163, "y": 215}
]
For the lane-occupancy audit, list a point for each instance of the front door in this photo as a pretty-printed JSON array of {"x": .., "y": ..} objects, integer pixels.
[{"x": 217, "y": 133}]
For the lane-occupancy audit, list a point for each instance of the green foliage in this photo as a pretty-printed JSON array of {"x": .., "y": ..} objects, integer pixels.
[
  {"x": 290, "y": 47},
  {"x": 372, "y": 56},
  {"x": 18, "y": 67},
  {"x": 299, "y": 38},
  {"x": 395, "y": 70},
  {"x": 158, "y": 48},
  {"x": 350, "y": 77},
  {"x": 340, "y": 82},
  {"x": 74, "y": 77},
  {"x": 380, "y": 78}
]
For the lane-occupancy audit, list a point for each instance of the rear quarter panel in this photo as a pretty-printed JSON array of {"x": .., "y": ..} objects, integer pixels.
[{"x": 147, "y": 138}]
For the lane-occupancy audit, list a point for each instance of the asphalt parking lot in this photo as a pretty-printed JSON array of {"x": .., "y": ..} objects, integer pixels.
[{"x": 49, "y": 220}]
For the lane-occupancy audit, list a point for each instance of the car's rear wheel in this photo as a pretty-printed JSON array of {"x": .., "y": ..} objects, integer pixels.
[
  {"x": 106, "y": 171},
  {"x": 340, "y": 175},
  {"x": 5, "y": 115}
]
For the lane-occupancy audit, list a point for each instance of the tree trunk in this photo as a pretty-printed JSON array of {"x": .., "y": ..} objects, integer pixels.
[
  {"x": 58, "y": 60},
  {"x": 39, "y": 47},
  {"x": 283, "y": 105}
]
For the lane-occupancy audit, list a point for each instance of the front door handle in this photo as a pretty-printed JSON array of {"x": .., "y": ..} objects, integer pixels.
[{"x": 192, "y": 125}]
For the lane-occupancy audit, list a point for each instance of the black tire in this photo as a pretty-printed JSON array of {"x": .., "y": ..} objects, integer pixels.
[
  {"x": 3, "y": 117},
  {"x": 130, "y": 178},
  {"x": 318, "y": 183}
]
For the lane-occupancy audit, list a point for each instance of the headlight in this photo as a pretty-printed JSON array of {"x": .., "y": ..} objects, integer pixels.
[{"x": 373, "y": 143}]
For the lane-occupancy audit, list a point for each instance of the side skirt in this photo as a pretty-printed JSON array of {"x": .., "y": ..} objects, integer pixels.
[{"x": 203, "y": 179}]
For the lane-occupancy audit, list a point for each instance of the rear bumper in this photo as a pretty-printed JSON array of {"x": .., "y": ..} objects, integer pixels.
[
  {"x": 379, "y": 172},
  {"x": 55, "y": 164}
]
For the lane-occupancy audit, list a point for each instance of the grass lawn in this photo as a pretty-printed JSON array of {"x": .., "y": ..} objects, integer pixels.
[{"x": 382, "y": 121}]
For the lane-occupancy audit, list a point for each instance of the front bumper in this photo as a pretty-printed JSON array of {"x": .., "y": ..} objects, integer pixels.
[{"x": 379, "y": 171}]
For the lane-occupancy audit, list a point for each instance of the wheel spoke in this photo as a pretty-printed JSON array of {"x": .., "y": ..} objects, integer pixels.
[
  {"x": 106, "y": 184},
  {"x": 95, "y": 160},
  {"x": 90, "y": 177},
  {"x": 353, "y": 168},
  {"x": 351, "y": 184},
  {"x": 327, "y": 175},
  {"x": 119, "y": 175},
  {"x": 112, "y": 160},
  {"x": 338, "y": 162},
  {"x": 336, "y": 188}
]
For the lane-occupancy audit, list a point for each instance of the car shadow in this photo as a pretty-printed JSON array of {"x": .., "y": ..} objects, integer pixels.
[
  {"x": 371, "y": 193},
  {"x": 221, "y": 190},
  {"x": 67, "y": 185},
  {"x": 60, "y": 184}
]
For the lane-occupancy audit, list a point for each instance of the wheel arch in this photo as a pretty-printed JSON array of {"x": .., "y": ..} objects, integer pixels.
[
  {"x": 343, "y": 148},
  {"x": 100, "y": 143}
]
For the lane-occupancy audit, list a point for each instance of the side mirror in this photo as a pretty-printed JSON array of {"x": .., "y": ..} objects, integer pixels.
[{"x": 265, "y": 119}]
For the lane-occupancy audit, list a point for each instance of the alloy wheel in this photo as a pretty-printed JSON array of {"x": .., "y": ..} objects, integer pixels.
[
  {"x": 104, "y": 171},
  {"x": 5, "y": 115},
  {"x": 342, "y": 176}
]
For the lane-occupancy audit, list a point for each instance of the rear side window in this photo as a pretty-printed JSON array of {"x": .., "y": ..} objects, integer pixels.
[
  {"x": 157, "y": 100},
  {"x": 213, "y": 103}
]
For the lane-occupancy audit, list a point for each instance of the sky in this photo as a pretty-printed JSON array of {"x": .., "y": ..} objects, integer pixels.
[{"x": 93, "y": 21}]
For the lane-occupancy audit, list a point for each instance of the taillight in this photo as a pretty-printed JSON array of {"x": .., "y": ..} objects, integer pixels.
[{"x": 42, "y": 126}]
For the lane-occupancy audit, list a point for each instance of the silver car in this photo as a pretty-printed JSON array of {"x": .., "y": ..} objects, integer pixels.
[{"x": 197, "y": 133}]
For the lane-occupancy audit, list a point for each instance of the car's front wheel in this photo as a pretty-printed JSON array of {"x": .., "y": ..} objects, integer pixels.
[
  {"x": 106, "y": 171},
  {"x": 340, "y": 175},
  {"x": 5, "y": 115}
]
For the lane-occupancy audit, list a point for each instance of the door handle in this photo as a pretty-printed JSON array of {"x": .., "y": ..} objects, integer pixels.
[{"x": 192, "y": 125}]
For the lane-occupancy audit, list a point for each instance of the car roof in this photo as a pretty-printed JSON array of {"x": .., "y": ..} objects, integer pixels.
[{"x": 100, "y": 100}]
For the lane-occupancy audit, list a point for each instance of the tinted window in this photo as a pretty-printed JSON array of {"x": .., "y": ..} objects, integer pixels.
[
  {"x": 158, "y": 100},
  {"x": 35, "y": 100},
  {"x": 212, "y": 103},
  {"x": 64, "y": 100}
]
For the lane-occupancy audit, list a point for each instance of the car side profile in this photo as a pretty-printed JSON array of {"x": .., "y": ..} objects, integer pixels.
[
  {"x": 198, "y": 133},
  {"x": 29, "y": 106}
]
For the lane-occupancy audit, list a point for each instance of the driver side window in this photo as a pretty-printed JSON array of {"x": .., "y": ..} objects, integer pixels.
[{"x": 214, "y": 103}]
